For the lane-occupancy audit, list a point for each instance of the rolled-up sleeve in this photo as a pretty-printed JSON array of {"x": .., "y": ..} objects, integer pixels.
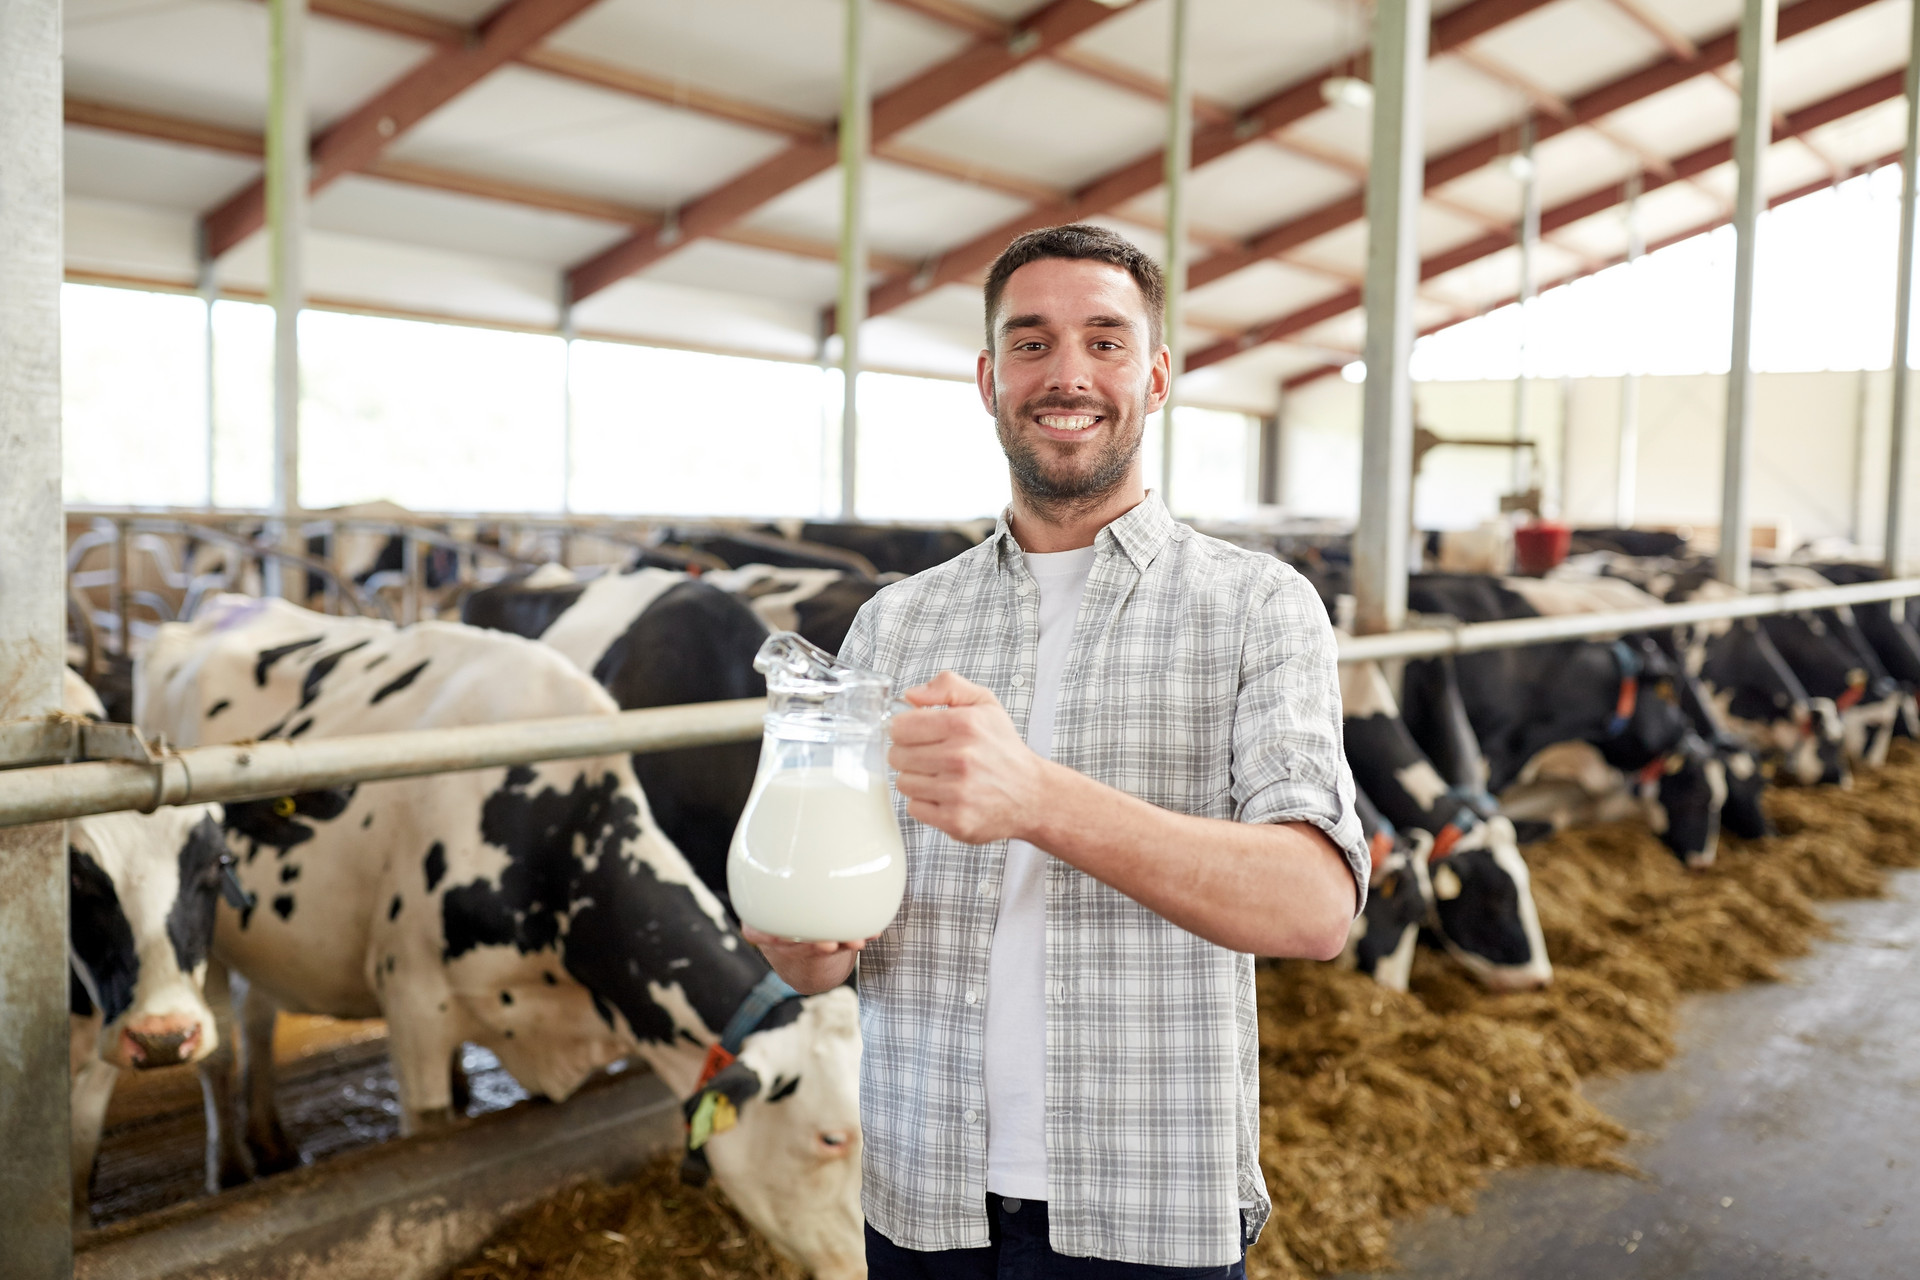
[{"x": 1289, "y": 760}]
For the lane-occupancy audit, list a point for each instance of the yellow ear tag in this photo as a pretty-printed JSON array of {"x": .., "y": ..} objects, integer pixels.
[
  {"x": 284, "y": 807},
  {"x": 714, "y": 1115}
]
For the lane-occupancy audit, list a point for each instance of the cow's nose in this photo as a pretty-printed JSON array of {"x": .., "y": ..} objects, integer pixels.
[{"x": 163, "y": 1047}]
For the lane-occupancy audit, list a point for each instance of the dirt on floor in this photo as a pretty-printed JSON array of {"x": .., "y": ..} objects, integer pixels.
[{"x": 1375, "y": 1105}]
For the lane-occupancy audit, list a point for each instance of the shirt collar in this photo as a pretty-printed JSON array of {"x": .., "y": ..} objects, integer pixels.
[{"x": 1139, "y": 534}]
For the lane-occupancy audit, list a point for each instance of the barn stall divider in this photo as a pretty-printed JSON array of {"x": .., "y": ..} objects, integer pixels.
[{"x": 370, "y": 1200}]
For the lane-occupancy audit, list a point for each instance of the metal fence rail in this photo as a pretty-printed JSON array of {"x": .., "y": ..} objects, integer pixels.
[{"x": 257, "y": 770}]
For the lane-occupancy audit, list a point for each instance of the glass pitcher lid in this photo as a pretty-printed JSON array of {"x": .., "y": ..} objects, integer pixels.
[{"x": 805, "y": 682}]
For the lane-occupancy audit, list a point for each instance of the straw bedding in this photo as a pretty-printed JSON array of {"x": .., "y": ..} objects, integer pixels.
[{"x": 1375, "y": 1105}]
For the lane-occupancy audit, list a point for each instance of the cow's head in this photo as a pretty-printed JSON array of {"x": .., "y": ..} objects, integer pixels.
[
  {"x": 143, "y": 891},
  {"x": 1399, "y": 901},
  {"x": 1483, "y": 903},
  {"x": 791, "y": 1162},
  {"x": 1684, "y": 792},
  {"x": 1743, "y": 813}
]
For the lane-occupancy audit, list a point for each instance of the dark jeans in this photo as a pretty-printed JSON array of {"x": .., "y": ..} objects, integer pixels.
[{"x": 1019, "y": 1251}]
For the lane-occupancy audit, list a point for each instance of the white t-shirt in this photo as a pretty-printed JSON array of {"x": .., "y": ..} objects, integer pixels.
[{"x": 1016, "y": 1020}]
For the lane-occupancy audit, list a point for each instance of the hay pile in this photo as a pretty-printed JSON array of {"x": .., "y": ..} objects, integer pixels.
[{"x": 1376, "y": 1105}]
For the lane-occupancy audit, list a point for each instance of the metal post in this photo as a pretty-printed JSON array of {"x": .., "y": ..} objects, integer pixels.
[
  {"x": 567, "y": 336},
  {"x": 1529, "y": 235},
  {"x": 1628, "y": 458},
  {"x": 1393, "y": 268},
  {"x": 286, "y": 231},
  {"x": 1179, "y": 158},
  {"x": 35, "y": 1228},
  {"x": 1896, "y": 537},
  {"x": 855, "y": 126},
  {"x": 209, "y": 294},
  {"x": 1757, "y": 24}
]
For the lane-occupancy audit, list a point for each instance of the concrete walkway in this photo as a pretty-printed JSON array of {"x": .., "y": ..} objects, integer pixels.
[{"x": 1783, "y": 1142}]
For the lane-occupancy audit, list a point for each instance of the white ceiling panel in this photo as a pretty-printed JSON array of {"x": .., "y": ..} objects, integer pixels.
[
  {"x": 531, "y": 127},
  {"x": 1242, "y": 50},
  {"x": 375, "y": 209},
  {"x": 1046, "y": 123},
  {"x": 108, "y": 237},
  {"x": 651, "y": 310},
  {"x": 1701, "y": 20},
  {"x": 207, "y": 59},
  {"x": 731, "y": 268},
  {"x": 956, "y": 307},
  {"x": 1681, "y": 119},
  {"x": 782, "y": 53},
  {"x": 910, "y": 213},
  {"x": 1260, "y": 186},
  {"x": 1573, "y": 46},
  {"x": 111, "y": 166},
  {"x": 891, "y": 342},
  {"x": 1866, "y": 137},
  {"x": 466, "y": 11},
  {"x": 1261, "y": 292},
  {"x": 1838, "y": 55},
  {"x": 1575, "y": 162}
]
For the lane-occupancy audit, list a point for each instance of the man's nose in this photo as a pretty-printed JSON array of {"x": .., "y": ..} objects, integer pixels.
[{"x": 1071, "y": 369}]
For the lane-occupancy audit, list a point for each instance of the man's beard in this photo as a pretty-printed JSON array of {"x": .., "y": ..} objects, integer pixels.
[{"x": 1061, "y": 491}]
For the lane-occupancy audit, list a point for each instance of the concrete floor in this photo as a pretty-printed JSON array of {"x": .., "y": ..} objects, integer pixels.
[{"x": 1783, "y": 1142}]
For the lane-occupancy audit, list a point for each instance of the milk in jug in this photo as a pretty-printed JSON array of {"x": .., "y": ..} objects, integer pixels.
[{"x": 817, "y": 855}]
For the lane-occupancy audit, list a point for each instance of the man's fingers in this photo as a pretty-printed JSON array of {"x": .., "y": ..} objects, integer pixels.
[
  {"x": 950, "y": 689},
  {"x": 917, "y": 728}
]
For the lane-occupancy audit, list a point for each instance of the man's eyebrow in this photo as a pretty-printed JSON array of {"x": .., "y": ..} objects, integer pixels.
[
  {"x": 1109, "y": 322},
  {"x": 1032, "y": 320}
]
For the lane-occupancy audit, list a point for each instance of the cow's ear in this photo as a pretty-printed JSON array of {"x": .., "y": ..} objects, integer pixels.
[{"x": 712, "y": 1110}]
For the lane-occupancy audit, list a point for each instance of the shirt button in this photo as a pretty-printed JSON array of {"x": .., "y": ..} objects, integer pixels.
[
  {"x": 969, "y": 1115},
  {"x": 1019, "y": 682},
  {"x": 985, "y": 888},
  {"x": 972, "y": 998}
]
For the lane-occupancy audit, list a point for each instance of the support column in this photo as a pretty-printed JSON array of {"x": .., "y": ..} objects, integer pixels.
[
  {"x": 1757, "y": 24},
  {"x": 209, "y": 290},
  {"x": 1627, "y": 459},
  {"x": 567, "y": 336},
  {"x": 1179, "y": 158},
  {"x": 1529, "y": 242},
  {"x": 35, "y": 1229},
  {"x": 1395, "y": 171},
  {"x": 855, "y": 127},
  {"x": 286, "y": 251},
  {"x": 1898, "y": 562}
]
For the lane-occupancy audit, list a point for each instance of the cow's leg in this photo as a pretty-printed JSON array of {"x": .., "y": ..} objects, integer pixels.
[
  {"x": 460, "y": 1089},
  {"x": 92, "y": 1091},
  {"x": 227, "y": 1164},
  {"x": 423, "y": 1039},
  {"x": 272, "y": 1151}
]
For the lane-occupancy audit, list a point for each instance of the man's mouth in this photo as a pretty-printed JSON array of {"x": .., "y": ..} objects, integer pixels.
[{"x": 1067, "y": 421}]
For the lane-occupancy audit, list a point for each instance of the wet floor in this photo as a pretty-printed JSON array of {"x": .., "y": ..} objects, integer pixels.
[
  {"x": 331, "y": 1100},
  {"x": 1783, "y": 1143}
]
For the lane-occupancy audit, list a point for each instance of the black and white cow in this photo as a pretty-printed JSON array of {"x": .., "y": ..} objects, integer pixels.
[
  {"x": 1613, "y": 696},
  {"x": 1382, "y": 939},
  {"x": 1483, "y": 903},
  {"x": 819, "y": 604},
  {"x": 536, "y": 910},
  {"x": 141, "y": 889},
  {"x": 653, "y": 638},
  {"x": 902, "y": 549}
]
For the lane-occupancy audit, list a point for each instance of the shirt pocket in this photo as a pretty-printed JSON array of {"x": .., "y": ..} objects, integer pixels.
[{"x": 1159, "y": 704}]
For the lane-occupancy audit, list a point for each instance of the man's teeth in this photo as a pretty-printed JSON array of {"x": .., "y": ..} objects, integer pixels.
[{"x": 1068, "y": 422}]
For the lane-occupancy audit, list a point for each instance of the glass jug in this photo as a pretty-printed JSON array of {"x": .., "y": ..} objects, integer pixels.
[{"x": 817, "y": 856}]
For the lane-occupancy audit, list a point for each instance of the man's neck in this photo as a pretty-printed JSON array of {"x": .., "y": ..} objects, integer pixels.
[{"x": 1044, "y": 531}]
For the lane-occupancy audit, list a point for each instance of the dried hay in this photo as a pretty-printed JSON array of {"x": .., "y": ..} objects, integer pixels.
[{"x": 1375, "y": 1105}]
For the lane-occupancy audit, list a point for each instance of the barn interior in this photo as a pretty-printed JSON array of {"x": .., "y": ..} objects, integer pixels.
[{"x": 1540, "y": 336}]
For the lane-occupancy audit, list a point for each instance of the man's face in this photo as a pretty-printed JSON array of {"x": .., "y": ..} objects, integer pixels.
[{"x": 1070, "y": 379}]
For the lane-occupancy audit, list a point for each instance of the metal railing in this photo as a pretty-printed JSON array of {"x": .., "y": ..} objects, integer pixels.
[{"x": 258, "y": 770}]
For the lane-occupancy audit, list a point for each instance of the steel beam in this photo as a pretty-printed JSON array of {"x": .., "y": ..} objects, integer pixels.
[
  {"x": 1900, "y": 444},
  {"x": 286, "y": 209},
  {"x": 1393, "y": 269},
  {"x": 981, "y": 63},
  {"x": 35, "y": 1227},
  {"x": 856, "y": 122},
  {"x": 358, "y": 139},
  {"x": 1179, "y": 154},
  {"x": 1627, "y": 453},
  {"x": 1758, "y": 22}
]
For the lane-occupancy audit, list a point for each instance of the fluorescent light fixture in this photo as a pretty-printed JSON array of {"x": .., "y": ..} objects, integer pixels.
[
  {"x": 1520, "y": 165},
  {"x": 1347, "y": 91},
  {"x": 1355, "y": 371}
]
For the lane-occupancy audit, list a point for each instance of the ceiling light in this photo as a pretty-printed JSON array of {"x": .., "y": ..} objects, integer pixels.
[
  {"x": 1520, "y": 165},
  {"x": 1347, "y": 91},
  {"x": 1355, "y": 371}
]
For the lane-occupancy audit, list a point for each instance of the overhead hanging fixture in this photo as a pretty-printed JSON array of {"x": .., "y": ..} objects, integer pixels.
[
  {"x": 1520, "y": 165},
  {"x": 1347, "y": 91}
]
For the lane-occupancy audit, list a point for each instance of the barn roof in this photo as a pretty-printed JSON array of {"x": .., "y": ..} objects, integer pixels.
[{"x": 672, "y": 164}]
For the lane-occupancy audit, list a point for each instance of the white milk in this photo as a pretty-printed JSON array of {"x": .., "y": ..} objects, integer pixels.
[{"x": 817, "y": 859}]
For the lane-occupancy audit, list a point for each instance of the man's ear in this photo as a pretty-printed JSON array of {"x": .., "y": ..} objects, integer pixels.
[{"x": 983, "y": 380}]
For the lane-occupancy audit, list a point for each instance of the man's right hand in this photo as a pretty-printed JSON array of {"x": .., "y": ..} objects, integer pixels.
[{"x": 807, "y": 967}]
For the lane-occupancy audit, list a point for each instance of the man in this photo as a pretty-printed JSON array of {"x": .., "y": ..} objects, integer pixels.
[{"x": 1125, "y": 780}]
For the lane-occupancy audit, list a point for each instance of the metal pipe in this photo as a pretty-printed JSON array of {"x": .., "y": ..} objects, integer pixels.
[
  {"x": 1524, "y": 469},
  {"x": 122, "y": 563},
  {"x": 1895, "y": 548},
  {"x": 257, "y": 770},
  {"x": 1179, "y": 158},
  {"x": 855, "y": 127},
  {"x": 1758, "y": 22},
  {"x": 1395, "y": 172},
  {"x": 209, "y": 290},
  {"x": 1513, "y": 633},
  {"x": 286, "y": 232},
  {"x": 34, "y": 1187},
  {"x": 1627, "y": 459}
]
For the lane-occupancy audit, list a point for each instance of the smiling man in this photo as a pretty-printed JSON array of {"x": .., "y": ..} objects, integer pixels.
[{"x": 1125, "y": 780}]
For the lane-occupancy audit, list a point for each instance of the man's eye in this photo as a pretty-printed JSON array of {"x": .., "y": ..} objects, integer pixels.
[{"x": 1031, "y": 345}]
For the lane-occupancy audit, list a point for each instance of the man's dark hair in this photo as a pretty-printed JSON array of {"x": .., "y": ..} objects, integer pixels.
[{"x": 1080, "y": 242}]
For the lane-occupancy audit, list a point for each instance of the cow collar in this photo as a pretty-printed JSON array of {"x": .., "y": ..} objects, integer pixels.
[
  {"x": 1856, "y": 689},
  {"x": 767, "y": 995},
  {"x": 1628, "y": 698}
]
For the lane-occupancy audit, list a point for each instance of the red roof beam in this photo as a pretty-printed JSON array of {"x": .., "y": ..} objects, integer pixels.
[
  {"x": 356, "y": 141},
  {"x": 979, "y": 64}
]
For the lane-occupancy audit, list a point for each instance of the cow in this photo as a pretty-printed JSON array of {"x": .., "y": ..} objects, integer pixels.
[
  {"x": 536, "y": 910},
  {"x": 901, "y": 549},
  {"x": 141, "y": 891},
  {"x": 653, "y": 638},
  {"x": 1483, "y": 909},
  {"x": 819, "y": 604},
  {"x": 739, "y": 547},
  {"x": 1615, "y": 696},
  {"x": 1400, "y": 902},
  {"x": 1888, "y": 626}
]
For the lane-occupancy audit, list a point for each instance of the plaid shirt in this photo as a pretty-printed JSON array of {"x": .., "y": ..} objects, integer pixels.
[{"x": 1202, "y": 678}]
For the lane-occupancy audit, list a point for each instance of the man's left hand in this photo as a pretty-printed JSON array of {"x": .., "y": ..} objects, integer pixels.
[{"x": 963, "y": 767}]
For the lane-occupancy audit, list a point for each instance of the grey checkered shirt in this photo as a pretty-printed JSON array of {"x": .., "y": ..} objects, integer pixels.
[{"x": 1202, "y": 678}]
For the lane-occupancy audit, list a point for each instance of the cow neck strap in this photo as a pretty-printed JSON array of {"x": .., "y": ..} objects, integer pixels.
[
  {"x": 767, "y": 995},
  {"x": 1629, "y": 697}
]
